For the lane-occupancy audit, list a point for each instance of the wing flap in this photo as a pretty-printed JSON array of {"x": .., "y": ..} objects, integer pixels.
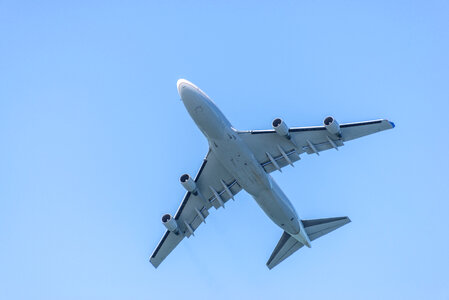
[
  {"x": 322, "y": 146},
  {"x": 280, "y": 160}
]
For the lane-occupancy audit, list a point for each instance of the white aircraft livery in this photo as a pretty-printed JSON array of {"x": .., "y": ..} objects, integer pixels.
[{"x": 244, "y": 160}]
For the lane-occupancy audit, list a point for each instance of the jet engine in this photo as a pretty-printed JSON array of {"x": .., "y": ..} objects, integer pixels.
[
  {"x": 280, "y": 127},
  {"x": 170, "y": 223},
  {"x": 188, "y": 183},
  {"x": 332, "y": 126}
]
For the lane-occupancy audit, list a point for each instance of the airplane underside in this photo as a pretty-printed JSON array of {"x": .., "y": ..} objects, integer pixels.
[{"x": 244, "y": 160}]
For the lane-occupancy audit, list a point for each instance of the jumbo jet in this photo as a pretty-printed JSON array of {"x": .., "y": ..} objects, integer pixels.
[{"x": 239, "y": 160}]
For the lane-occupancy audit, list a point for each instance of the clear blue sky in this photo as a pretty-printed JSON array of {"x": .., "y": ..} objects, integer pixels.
[{"x": 94, "y": 138}]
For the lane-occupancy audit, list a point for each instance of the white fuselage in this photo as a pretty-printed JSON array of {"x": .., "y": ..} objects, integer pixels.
[{"x": 238, "y": 159}]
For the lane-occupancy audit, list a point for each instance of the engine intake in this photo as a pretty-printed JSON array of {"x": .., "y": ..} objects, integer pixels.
[
  {"x": 170, "y": 223},
  {"x": 332, "y": 126},
  {"x": 188, "y": 183},
  {"x": 280, "y": 127}
]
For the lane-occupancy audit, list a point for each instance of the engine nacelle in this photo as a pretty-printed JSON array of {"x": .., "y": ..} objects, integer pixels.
[
  {"x": 188, "y": 183},
  {"x": 280, "y": 127},
  {"x": 332, "y": 126},
  {"x": 170, "y": 223}
]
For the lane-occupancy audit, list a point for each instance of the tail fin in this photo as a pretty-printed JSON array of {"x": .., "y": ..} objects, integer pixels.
[{"x": 287, "y": 245}]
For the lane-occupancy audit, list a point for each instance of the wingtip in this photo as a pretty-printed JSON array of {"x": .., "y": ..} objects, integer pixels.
[
  {"x": 155, "y": 265},
  {"x": 346, "y": 219},
  {"x": 392, "y": 124}
]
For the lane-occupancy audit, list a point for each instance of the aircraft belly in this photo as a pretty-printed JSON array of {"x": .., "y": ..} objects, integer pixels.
[
  {"x": 278, "y": 208},
  {"x": 250, "y": 175},
  {"x": 240, "y": 162}
]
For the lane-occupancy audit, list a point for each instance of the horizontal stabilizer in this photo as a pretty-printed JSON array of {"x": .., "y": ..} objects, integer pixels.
[
  {"x": 288, "y": 245},
  {"x": 319, "y": 227}
]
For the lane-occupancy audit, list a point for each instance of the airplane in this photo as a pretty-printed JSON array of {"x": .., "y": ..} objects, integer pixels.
[{"x": 239, "y": 160}]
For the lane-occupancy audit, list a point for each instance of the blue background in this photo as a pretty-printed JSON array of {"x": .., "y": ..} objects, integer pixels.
[{"x": 94, "y": 138}]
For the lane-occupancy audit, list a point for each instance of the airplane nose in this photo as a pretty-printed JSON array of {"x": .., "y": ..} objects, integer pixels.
[
  {"x": 189, "y": 94},
  {"x": 187, "y": 89},
  {"x": 180, "y": 85}
]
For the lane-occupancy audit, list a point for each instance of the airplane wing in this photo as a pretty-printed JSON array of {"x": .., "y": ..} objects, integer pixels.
[
  {"x": 274, "y": 151},
  {"x": 215, "y": 186}
]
